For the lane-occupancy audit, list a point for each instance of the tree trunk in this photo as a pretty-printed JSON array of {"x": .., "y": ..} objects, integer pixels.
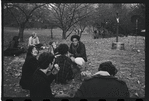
[
  {"x": 51, "y": 33},
  {"x": 80, "y": 34},
  {"x": 64, "y": 34},
  {"x": 21, "y": 31}
]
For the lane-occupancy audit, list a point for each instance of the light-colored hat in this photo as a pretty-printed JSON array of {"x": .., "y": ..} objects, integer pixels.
[{"x": 79, "y": 61}]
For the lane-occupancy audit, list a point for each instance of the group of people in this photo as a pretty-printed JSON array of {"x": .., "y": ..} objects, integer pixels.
[
  {"x": 60, "y": 64},
  {"x": 14, "y": 48}
]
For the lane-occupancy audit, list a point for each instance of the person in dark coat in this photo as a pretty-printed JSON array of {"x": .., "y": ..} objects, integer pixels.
[
  {"x": 65, "y": 74},
  {"x": 29, "y": 67},
  {"x": 103, "y": 84},
  {"x": 13, "y": 48},
  {"x": 77, "y": 48},
  {"x": 42, "y": 79}
]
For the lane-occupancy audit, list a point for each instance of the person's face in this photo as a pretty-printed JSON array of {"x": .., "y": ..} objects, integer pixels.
[
  {"x": 50, "y": 67},
  {"x": 34, "y": 52},
  {"x": 75, "y": 41},
  {"x": 34, "y": 35},
  {"x": 54, "y": 45}
]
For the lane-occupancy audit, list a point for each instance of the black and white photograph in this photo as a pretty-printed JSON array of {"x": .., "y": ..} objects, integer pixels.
[{"x": 73, "y": 50}]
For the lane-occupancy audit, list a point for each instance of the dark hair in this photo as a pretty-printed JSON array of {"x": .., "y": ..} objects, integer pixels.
[
  {"x": 109, "y": 67},
  {"x": 63, "y": 49},
  {"x": 51, "y": 42},
  {"x": 75, "y": 36},
  {"x": 45, "y": 59},
  {"x": 29, "y": 51},
  {"x": 95, "y": 31}
]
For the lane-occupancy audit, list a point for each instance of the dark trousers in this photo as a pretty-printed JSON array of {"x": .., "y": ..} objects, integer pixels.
[
  {"x": 76, "y": 71},
  {"x": 38, "y": 46},
  {"x": 14, "y": 51}
]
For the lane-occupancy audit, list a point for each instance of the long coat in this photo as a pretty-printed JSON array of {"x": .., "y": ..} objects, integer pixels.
[
  {"x": 103, "y": 86},
  {"x": 29, "y": 67},
  {"x": 78, "y": 51},
  {"x": 40, "y": 86}
]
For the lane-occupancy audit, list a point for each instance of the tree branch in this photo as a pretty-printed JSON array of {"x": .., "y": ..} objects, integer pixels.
[
  {"x": 13, "y": 16},
  {"x": 58, "y": 17},
  {"x": 35, "y": 9},
  {"x": 69, "y": 34},
  {"x": 19, "y": 9}
]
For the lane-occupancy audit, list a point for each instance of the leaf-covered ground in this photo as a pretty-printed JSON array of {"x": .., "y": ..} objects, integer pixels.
[{"x": 130, "y": 63}]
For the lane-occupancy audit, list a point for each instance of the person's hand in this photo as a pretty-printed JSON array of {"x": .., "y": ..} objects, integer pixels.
[
  {"x": 61, "y": 94},
  {"x": 32, "y": 45},
  {"x": 72, "y": 59},
  {"x": 48, "y": 73},
  {"x": 55, "y": 69},
  {"x": 86, "y": 74}
]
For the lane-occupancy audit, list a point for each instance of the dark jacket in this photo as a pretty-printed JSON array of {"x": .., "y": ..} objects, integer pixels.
[
  {"x": 103, "y": 86},
  {"x": 65, "y": 73},
  {"x": 29, "y": 67},
  {"x": 40, "y": 86},
  {"x": 78, "y": 51}
]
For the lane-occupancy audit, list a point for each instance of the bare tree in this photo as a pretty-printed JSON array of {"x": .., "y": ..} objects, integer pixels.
[
  {"x": 67, "y": 15},
  {"x": 22, "y": 12}
]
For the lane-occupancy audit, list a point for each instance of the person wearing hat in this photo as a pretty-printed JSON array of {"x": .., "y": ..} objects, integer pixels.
[
  {"x": 103, "y": 84},
  {"x": 43, "y": 76},
  {"x": 34, "y": 41}
]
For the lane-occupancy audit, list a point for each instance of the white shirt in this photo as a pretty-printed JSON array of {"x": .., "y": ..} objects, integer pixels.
[{"x": 33, "y": 41}]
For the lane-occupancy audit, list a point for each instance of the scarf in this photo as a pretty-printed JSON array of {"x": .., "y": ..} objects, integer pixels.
[
  {"x": 74, "y": 48},
  {"x": 102, "y": 73}
]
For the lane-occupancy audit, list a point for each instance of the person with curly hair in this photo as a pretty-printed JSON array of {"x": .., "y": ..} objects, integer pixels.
[
  {"x": 65, "y": 74},
  {"x": 78, "y": 56},
  {"x": 77, "y": 48}
]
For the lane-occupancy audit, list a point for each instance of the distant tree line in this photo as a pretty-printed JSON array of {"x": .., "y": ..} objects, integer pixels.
[{"x": 74, "y": 17}]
